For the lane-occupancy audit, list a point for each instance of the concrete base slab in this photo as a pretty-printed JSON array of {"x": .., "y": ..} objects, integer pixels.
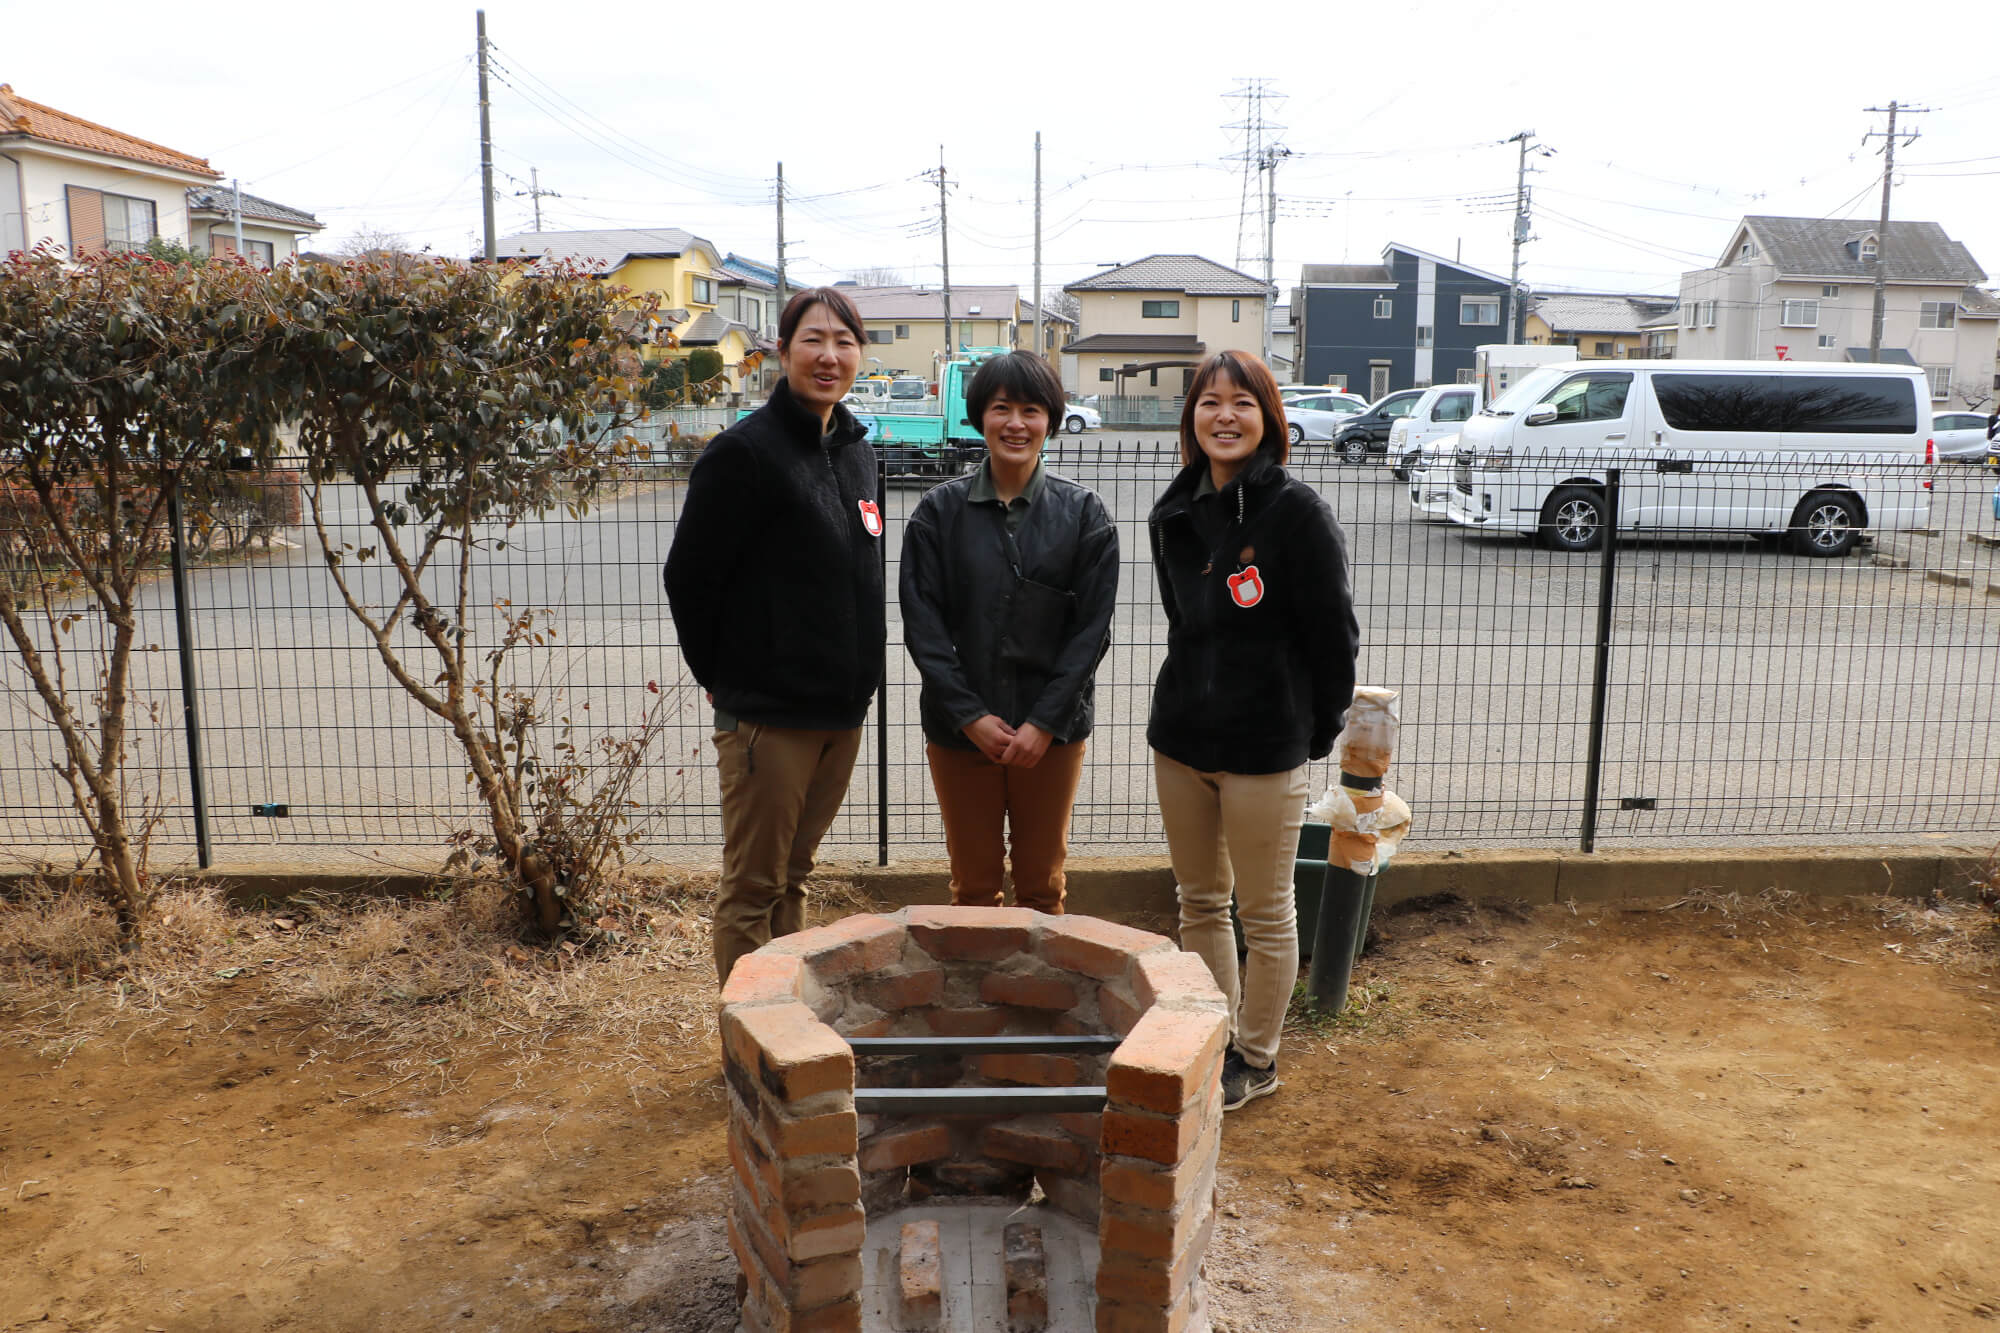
[{"x": 971, "y": 1236}]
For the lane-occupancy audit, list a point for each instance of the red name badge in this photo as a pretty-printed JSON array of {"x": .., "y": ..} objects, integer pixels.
[
  {"x": 1246, "y": 587},
  {"x": 871, "y": 517}
]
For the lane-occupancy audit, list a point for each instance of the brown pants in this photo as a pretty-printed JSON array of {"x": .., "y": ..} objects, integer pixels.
[
  {"x": 983, "y": 802},
  {"x": 781, "y": 789}
]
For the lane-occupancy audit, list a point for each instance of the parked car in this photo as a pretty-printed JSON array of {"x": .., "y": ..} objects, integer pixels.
[
  {"x": 1077, "y": 418},
  {"x": 1368, "y": 433},
  {"x": 1960, "y": 436},
  {"x": 1438, "y": 412},
  {"x": 1319, "y": 416},
  {"x": 1287, "y": 392},
  {"x": 1429, "y": 468}
]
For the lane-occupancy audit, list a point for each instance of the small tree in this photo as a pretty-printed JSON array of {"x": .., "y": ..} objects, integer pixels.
[
  {"x": 125, "y": 381},
  {"x": 705, "y": 377},
  {"x": 482, "y": 395}
]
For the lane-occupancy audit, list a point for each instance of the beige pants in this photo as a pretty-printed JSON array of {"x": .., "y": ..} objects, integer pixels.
[
  {"x": 984, "y": 804},
  {"x": 781, "y": 788},
  {"x": 1236, "y": 834}
]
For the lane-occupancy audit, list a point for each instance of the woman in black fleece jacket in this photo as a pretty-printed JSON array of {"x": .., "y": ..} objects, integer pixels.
[
  {"x": 1261, "y": 642},
  {"x": 775, "y": 583}
]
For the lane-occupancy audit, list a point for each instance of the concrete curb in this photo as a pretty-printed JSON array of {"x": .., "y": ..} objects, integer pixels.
[{"x": 1120, "y": 886}]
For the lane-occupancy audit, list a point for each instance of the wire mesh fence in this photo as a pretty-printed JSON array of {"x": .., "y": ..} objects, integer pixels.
[{"x": 1740, "y": 690}]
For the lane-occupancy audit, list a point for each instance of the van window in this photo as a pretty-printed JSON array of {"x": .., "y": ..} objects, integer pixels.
[
  {"x": 1595, "y": 397},
  {"x": 1830, "y": 404},
  {"x": 1452, "y": 407}
]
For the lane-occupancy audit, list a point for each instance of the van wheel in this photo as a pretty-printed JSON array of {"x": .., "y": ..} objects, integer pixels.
[
  {"x": 1826, "y": 523},
  {"x": 1298, "y": 434},
  {"x": 1573, "y": 519}
]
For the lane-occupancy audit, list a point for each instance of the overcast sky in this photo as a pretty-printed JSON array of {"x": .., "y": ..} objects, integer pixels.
[{"x": 1668, "y": 123}]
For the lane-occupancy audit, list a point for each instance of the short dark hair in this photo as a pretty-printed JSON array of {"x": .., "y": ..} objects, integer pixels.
[
  {"x": 1024, "y": 378},
  {"x": 1245, "y": 372},
  {"x": 833, "y": 299}
]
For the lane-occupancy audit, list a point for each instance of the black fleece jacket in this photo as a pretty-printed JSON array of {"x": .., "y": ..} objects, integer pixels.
[
  {"x": 775, "y": 573},
  {"x": 1261, "y": 634}
]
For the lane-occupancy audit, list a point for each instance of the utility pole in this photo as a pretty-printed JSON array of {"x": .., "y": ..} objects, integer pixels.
[
  {"x": 239, "y": 214},
  {"x": 536, "y": 193},
  {"x": 485, "y": 146},
  {"x": 944, "y": 240},
  {"x": 1888, "y": 138},
  {"x": 1038, "y": 243},
  {"x": 1270, "y": 164},
  {"x": 1517, "y": 320},
  {"x": 781, "y": 240}
]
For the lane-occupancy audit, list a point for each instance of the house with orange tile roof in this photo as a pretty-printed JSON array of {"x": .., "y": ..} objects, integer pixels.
[{"x": 86, "y": 188}]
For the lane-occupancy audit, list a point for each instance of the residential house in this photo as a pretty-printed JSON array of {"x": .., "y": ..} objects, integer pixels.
[
  {"x": 1146, "y": 325},
  {"x": 748, "y": 294},
  {"x": 1659, "y": 335},
  {"x": 271, "y": 231},
  {"x": 687, "y": 272},
  {"x": 1802, "y": 289},
  {"x": 1411, "y": 321},
  {"x": 906, "y": 324},
  {"x": 1599, "y": 325},
  {"x": 1284, "y": 359}
]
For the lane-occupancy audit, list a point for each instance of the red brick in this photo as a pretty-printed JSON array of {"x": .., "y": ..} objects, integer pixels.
[
  {"x": 919, "y": 1277},
  {"x": 1101, "y": 949},
  {"x": 1049, "y": 1148},
  {"x": 1123, "y": 1278},
  {"x": 1076, "y": 1196},
  {"x": 1046, "y": 1071},
  {"x": 966, "y": 1022},
  {"x": 1119, "y": 1014},
  {"x": 843, "y": 1316},
  {"x": 1086, "y": 1125},
  {"x": 1180, "y": 978},
  {"x": 833, "y": 1134},
  {"x": 1150, "y": 1235},
  {"x": 877, "y": 1027},
  {"x": 1117, "y": 1317},
  {"x": 907, "y": 990},
  {"x": 1030, "y": 992},
  {"x": 764, "y": 978},
  {"x": 846, "y": 948},
  {"x": 906, "y": 1147},
  {"x": 793, "y": 1053},
  {"x": 748, "y": 1229},
  {"x": 1027, "y": 1268},
  {"x": 1168, "y": 1060},
  {"x": 1133, "y": 1183},
  {"x": 974, "y": 934},
  {"x": 823, "y": 1281},
  {"x": 821, "y": 1235},
  {"x": 1156, "y": 1138},
  {"x": 806, "y": 1187},
  {"x": 753, "y": 1163}
]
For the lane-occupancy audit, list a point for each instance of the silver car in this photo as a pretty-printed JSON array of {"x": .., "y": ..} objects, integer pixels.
[
  {"x": 1961, "y": 437},
  {"x": 1319, "y": 416}
]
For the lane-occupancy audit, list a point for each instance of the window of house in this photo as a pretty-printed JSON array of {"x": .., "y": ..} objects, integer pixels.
[
  {"x": 1827, "y": 340},
  {"x": 1829, "y": 292},
  {"x": 704, "y": 292},
  {"x": 880, "y": 336},
  {"x": 1426, "y": 336},
  {"x": 1937, "y": 315},
  {"x": 902, "y": 330},
  {"x": 753, "y": 312},
  {"x": 128, "y": 223},
  {"x": 1384, "y": 307},
  {"x": 1479, "y": 310},
  {"x": 1868, "y": 248},
  {"x": 1604, "y": 349},
  {"x": 1744, "y": 252},
  {"x": 1235, "y": 312},
  {"x": 1708, "y": 313},
  {"x": 1940, "y": 382},
  {"x": 260, "y": 253},
  {"x": 1689, "y": 313},
  {"x": 1159, "y": 309},
  {"x": 1105, "y": 374},
  {"x": 1801, "y": 315}
]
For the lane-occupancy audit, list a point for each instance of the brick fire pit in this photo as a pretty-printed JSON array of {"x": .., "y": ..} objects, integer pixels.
[{"x": 812, "y": 1170}]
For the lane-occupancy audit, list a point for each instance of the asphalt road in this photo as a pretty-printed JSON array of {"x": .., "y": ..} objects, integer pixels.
[{"x": 1750, "y": 694}]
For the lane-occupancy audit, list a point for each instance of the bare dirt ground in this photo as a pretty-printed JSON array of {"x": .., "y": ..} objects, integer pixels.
[{"x": 1706, "y": 1114}]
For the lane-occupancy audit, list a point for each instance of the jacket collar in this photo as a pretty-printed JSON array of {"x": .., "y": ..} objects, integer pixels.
[
  {"x": 1256, "y": 481},
  {"x": 803, "y": 425}
]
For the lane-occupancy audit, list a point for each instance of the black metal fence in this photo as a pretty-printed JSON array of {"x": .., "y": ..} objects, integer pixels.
[{"x": 1687, "y": 687}]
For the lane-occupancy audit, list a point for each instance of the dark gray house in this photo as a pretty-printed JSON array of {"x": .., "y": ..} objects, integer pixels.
[{"x": 1410, "y": 321}]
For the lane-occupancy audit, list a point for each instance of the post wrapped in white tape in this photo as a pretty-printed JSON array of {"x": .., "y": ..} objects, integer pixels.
[{"x": 1367, "y": 819}]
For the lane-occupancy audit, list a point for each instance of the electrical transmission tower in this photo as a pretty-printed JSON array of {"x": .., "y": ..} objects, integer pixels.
[{"x": 1258, "y": 153}]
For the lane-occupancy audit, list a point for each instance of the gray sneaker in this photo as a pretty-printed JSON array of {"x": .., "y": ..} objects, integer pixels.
[{"x": 1244, "y": 1082}]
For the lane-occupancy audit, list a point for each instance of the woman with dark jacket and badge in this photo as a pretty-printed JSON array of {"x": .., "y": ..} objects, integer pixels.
[
  {"x": 1009, "y": 577},
  {"x": 775, "y": 582},
  {"x": 1261, "y": 643}
]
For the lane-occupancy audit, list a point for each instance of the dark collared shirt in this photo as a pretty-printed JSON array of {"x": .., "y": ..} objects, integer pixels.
[{"x": 981, "y": 492}]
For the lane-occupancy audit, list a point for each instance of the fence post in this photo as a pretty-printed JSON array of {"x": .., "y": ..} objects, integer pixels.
[
  {"x": 190, "y": 707},
  {"x": 882, "y": 688},
  {"x": 1607, "y": 578}
]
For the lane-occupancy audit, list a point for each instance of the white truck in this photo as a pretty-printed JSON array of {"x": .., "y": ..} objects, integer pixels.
[{"x": 1496, "y": 366}]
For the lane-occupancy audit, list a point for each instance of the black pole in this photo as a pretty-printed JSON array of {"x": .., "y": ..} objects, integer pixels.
[
  {"x": 190, "y": 709},
  {"x": 882, "y": 689},
  {"x": 1607, "y": 578}
]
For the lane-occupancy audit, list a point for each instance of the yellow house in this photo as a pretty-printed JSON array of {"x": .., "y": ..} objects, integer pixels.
[
  {"x": 906, "y": 326},
  {"x": 1600, "y": 325},
  {"x": 698, "y": 300},
  {"x": 1146, "y": 325}
]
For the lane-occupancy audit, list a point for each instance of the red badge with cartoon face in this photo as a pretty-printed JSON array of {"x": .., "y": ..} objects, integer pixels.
[
  {"x": 1246, "y": 587},
  {"x": 871, "y": 517}
]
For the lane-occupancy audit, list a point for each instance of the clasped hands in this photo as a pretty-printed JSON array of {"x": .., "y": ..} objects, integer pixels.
[{"x": 1021, "y": 747}]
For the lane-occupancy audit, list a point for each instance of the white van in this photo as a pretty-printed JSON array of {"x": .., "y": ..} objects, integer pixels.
[
  {"x": 1815, "y": 450},
  {"x": 1426, "y": 438}
]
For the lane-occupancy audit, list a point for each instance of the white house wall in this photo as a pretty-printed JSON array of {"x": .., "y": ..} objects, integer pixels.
[{"x": 44, "y": 178}]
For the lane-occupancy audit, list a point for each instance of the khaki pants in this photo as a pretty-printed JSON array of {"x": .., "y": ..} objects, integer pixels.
[
  {"x": 984, "y": 804},
  {"x": 1232, "y": 833},
  {"x": 781, "y": 788}
]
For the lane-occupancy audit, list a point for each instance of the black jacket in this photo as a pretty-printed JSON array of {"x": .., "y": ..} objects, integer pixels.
[
  {"x": 1257, "y": 688},
  {"x": 1009, "y": 624},
  {"x": 774, "y": 577}
]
